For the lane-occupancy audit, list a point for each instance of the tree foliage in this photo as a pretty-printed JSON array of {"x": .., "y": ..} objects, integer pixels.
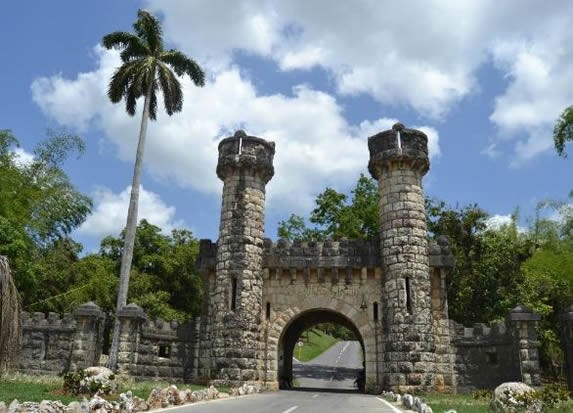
[
  {"x": 563, "y": 131},
  {"x": 39, "y": 206}
]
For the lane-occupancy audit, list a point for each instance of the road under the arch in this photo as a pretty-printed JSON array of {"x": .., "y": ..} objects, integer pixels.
[{"x": 335, "y": 369}]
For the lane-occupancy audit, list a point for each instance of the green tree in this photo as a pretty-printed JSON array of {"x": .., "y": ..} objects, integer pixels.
[
  {"x": 164, "y": 280},
  {"x": 147, "y": 67},
  {"x": 335, "y": 216},
  {"x": 39, "y": 206},
  {"x": 563, "y": 131}
]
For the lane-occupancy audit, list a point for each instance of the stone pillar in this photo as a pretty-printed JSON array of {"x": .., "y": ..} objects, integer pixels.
[
  {"x": 131, "y": 318},
  {"x": 245, "y": 166},
  {"x": 399, "y": 160},
  {"x": 567, "y": 342},
  {"x": 87, "y": 344},
  {"x": 522, "y": 326}
]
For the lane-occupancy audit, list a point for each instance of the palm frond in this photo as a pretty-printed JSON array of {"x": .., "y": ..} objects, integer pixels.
[
  {"x": 171, "y": 88},
  {"x": 153, "y": 104},
  {"x": 148, "y": 28},
  {"x": 119, "y": 40},
  {"x": 135, "y": 50},
  {"x": 182, "y": 65},
  {"x": 120, "y": 81}
]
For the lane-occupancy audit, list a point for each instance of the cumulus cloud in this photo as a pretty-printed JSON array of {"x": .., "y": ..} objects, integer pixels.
[
  {"x": 316, "y": 146},
  {"x": 423, "y": 54},
  {"x": 110, "y": 212},
  {"x": 23, "y": 158}
]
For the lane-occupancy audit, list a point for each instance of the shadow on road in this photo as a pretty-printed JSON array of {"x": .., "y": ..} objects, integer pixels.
[{"x": 327, "y": 373}]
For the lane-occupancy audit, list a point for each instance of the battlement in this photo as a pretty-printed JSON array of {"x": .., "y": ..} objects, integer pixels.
[
  {"x": 51, "y": 321},
  {"x": 489, "y": 334},
  {"x": 398, "y": 144},
  {"x": 243, "y": 152},
  {"x": 283, "y": 254}
]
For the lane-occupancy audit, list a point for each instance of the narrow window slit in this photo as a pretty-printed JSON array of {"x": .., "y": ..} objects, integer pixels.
[
  {"x": 233, "y": 294},
  {"x": 268, "y": 312},
  {"x": 408, "y": 295},
  {"x": 375, "y": 310}
]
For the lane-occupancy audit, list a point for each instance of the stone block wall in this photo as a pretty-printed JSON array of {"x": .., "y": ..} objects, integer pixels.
[
  {"x": 47, "y": 343},
  {"x": 150, "y": 349},
  {"x": 57, "y": 343},
  {"x": 487, "y": 355}
]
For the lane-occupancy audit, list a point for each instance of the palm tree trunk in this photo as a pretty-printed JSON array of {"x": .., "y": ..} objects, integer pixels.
[
  {"x": 130, "y": 228},
  {"x": 10, "y": 318}
]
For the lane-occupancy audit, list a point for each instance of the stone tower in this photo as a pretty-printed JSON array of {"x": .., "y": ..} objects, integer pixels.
[
  {"x": 245, "y": 166},
  {"x": 399, "y": 160}
]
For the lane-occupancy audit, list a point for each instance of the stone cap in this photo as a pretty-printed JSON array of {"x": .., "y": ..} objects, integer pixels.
[
  {"x": 411, "y": 146},
  {"x": 243, "y": 152},
  {"x": 132, "y": 311},
  {"x": 89, "y": 309},
  {"x": 523, "y": 313}
]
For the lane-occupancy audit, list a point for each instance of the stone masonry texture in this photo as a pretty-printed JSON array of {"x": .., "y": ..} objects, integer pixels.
[
  {"x": 245, "y": 166},
  {"x": 399, "y": 160}
]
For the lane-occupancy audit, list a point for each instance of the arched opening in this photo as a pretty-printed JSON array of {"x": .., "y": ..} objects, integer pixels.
[{"x": 338, "y": 368}]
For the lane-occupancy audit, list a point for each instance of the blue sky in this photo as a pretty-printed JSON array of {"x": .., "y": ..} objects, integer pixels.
[{"x": 485, "y": 80}]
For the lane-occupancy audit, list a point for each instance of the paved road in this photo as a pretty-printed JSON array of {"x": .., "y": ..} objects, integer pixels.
[
  {"x": 291, "y": 401},
  {"x": 336, "y": 368}
]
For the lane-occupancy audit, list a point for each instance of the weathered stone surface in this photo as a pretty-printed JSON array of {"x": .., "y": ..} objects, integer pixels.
[{"x": 506, "y": 399}]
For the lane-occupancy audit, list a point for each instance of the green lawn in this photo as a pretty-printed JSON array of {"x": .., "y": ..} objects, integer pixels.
[
  {"x": 317, "y": 343},
  {"x": 465, "y": 403},
  {"x": 38, "y": 388}
]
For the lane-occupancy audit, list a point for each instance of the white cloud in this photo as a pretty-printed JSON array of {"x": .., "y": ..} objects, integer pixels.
[
  {"x": 423, "y": 54},
  {"x": 316, "y": 146},
  {"x": 110, "y": 212},
  {"x": 23, "y": 158}
]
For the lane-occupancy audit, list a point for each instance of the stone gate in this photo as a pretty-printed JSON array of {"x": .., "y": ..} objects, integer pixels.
[{"x": 261, "y": 295}]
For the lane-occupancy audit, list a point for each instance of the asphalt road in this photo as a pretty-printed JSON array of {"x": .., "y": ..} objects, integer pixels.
[
  {"x": 335, "y": 369},
  {"x": 291, "y": 401}
]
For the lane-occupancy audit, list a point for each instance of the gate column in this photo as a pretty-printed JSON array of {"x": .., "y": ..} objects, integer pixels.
[
  {"x": 399, "y": 160},
  {"x": 245, "y": 166}
]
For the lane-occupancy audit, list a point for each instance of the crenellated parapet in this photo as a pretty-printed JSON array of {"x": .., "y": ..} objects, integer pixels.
[
  {"x": 324, "y": 254},
  {"x": 398, "y": 147},
  {"x": 489, "y": 354},
  {"x": 247, "y": 154}
]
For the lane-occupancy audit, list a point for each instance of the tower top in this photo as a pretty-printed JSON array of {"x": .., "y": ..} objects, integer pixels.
[
  {"x": 245, "y": 153},
  {"x": 398, "y": 144}
]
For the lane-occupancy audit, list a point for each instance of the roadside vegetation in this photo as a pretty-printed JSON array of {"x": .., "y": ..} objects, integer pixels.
[
  {"x": 315, "y": 342},
  {"x": 478, "y": 402},
  {"x": 25, "y": 387}
]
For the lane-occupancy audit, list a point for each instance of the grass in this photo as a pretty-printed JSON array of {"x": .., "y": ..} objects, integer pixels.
[
  {"x": 465, "y": 403},
  {"x": 37, "y": 388},
  {"x": 318, "y": 342}
]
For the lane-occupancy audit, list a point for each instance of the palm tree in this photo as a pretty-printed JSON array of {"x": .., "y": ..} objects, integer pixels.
[
  {"x": 146, "y": 68},
  {"x": 563, "y": 131}
]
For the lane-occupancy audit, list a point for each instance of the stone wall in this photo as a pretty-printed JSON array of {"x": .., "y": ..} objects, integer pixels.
[
  {"x": 150, "y": 349},
  {"x": 487, "y": 355}
]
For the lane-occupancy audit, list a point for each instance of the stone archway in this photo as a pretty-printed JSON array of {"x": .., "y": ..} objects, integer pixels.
[
  {"x": 286, "y": 325},
  {"x": 297, "y": 326}
]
